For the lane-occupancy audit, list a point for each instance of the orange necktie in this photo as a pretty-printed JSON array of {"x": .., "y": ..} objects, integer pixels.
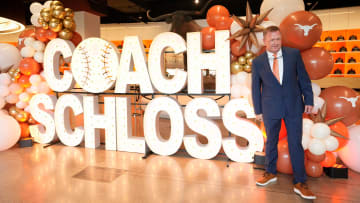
[{"x": 276, "y": 68}]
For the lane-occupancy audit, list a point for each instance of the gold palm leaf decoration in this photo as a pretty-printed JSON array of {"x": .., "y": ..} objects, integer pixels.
[
  {"x": 320, "y": 118},
  {"x": 249, "y": 27}
]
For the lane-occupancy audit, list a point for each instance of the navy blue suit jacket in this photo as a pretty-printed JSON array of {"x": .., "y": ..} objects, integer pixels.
[{"x": 274, "y": 100}]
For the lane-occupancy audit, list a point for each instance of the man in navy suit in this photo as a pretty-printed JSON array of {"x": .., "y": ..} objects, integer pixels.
[{"x": 281, "y": 89}]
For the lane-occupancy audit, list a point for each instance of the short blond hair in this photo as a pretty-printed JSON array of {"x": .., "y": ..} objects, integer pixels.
[{"x": 272, "y": 28}]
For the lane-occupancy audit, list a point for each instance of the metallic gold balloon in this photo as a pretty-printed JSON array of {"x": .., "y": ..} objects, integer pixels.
[
  {"x": 22, "y": 116},
  {"x": 249, "y": 61},
  {"x": 45, "y": 25},
  {"x": 69, "y": 12},
  {"x": 46, "y": 18},
  {"x": 235, "y": 67},
  {"x": 66, "y": 34},
  {"x": 58, "y": 12},
  {"x": 13, "y": 111},
  {"x": 41, "y": 20},
  {"x": 249, "y": 54},
  {"x": 56, "y": 3},
  {"x": 247, "y": 68},
  {"x": 44, "y": 10},
  {"x": 55, "y": 25},
  {"x": 68, "y": 22},
  {"x": 17, "y": 75},
  {"x": 242, "y": 60},
  {"x": 73, "y": 28},
  {"x": 11, "y": 71},
  {"x": 13, "y": 79}
]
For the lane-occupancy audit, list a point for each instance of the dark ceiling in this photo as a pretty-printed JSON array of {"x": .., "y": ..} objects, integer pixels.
[{"x": 127, "y": 11}]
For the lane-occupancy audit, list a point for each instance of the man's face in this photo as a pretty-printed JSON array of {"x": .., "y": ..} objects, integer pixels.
[{"x": 272, "y": 41}]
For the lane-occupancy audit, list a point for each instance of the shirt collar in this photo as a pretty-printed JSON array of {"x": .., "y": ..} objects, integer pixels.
[{"x": 271, "y": 56}]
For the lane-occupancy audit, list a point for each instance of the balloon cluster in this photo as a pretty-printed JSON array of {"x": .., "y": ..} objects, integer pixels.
[
  {"x": 243, "y": 63},
  {"x": 53, "y": 16}
]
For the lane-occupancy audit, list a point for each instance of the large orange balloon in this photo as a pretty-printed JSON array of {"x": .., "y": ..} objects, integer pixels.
[
  {"x": 215, "y": 13},
  {"x": 223, "y": 23},
  {"x": 313, "y": 169},
  {"x": 315, "y": 158},
  {"x": 235, "y": 48},
  {"x": 41, "y": 34},
  {"x": 342, "y": 102},
  {"x": 301, "y": 30},
  {"x": 29, "y": 66},
  {"x": 23, "y": 35},
  {"x": 25, "y": 132},
  {"x": 283, "y": 131},
  {"x": 329, "y": 160},
  {"x": 51, "y": 34},
  {"x": 283, "y": 163},
  {"x": 208, "y": 37},
  {"x": 340, "y": 128},
  {"x": 76, "y": 39},
  {"x": 24, "y": 81},
  {"x": 318, "y": 62}
]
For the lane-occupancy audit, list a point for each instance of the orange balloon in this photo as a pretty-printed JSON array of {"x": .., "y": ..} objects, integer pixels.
[
  {"x": 340, "y": 128},
  {"x": 29, "y": 66},
  {"x": 315, "y": 158},
  {"x": 235, "y": 48},
  {"x": 301, "y": 30},
  {"x": 25, "y": 132},
  {"x": 313, "y": 169},
  {"x": 283, "y": 132},
  {"x": 283, "y": 163},
  {"x": 318, "y": 62},
  {"x": 329, "y": 160},
  {"x": 76, "y": 39},
  {"x": 214, "y": 13},
  {"x": 23, "y": 35},
  {"x": 41, "y": 34},
  {"x": 262, "y": 50},
  {"x": 24, "y": 81},
  {"x": 223, "y": 23},
  {"x": 51, "y": 34},
  {"x": 233, "y": 58},
  {"x": 208, "y": 37},
  {"x": 341, "y": 102}
]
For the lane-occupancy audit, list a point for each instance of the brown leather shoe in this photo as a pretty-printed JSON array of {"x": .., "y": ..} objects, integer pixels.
[
  {"x": 266, "y": 179},
  {"x": 303, "y": 190}
]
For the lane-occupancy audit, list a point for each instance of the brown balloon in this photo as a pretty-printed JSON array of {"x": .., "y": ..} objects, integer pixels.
[
  {"x": 301, "y": 30},
  {"x": 342, "y": 102},
  {"x": 236, "y": 50},
  {"x": 315, "y": 158},
  {"x": 313, "y": 169},
  {"x": 283, "y": 163},
  {"x": 318, "y": 62}
]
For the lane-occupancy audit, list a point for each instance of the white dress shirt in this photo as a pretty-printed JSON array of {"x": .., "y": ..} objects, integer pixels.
[{"x": 279, "y": 57}]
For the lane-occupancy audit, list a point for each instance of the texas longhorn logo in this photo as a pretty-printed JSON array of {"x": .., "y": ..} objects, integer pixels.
[
  {"x": 306, "y": 28},
  {"x": 352, "y": 100}
]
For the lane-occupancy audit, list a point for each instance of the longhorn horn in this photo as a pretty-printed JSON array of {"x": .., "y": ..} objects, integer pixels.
[{"x": 161, "y": 17}]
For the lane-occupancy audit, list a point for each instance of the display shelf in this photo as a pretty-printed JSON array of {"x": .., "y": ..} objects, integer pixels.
[{"x": 351, "y": 82}]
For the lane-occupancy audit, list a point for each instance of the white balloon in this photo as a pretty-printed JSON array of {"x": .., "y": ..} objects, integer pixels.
[
  {"x": 12, "y": 98},
  {"x": 25, "y": 97},
  {"x": 38, "y": 45},
  {"x": 239, "y": 78},
  {"x": 318, "y": 103},
  {"x": 15, "y": 88},
  {"x": 307, "y": 125},
  {"x": 35, "y": 79},
  {"x": 235, "y": 91},
  {"x": 34, "y": 89},
  {"x": 27, "y": 52},
  {"x": 35, "y": 8},
  {"x": 3, "y": 111},
  {"x": 9, "y": 56},
  {"x": 5, "y": 79},
  {"x": 281, "y": 9},
  {"x": 2, "y": 102},
  {"x": 349, "y": 154},
  {"x": 21, "y": 104},
  {"x": 244, "y": 91},
  {"x": 27, "y": 109},
  {"x": 331, "y": 143},
  {"x": 316, "y": 89},
  {"x": 47, "y": 4},
  {"x": 320, "y": 130},
  {"x": 9, "y": 131},
  {"x": 317, "y": 147},
  {"x": 34, "y": 20},
  {"x": 28, "y": 41},
  {"x": 4, "y": 91},
  {"x": 305, "y": 141},
  {"x": 44, "y": 88},
  {"x": 39, "y": 56}
]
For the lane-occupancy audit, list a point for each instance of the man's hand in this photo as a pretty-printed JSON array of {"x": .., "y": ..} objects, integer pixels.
[
  {"x": 308, "y": 109},
  {"x": 259, "y": 117}
]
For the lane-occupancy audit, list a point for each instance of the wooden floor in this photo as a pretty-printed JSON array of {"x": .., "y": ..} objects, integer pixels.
[{"x": 76, "y": 174}]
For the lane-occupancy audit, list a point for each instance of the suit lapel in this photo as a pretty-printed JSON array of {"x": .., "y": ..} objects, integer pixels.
[
  {"x": 268, "y": 68},
  {"x": 285, "y": 70}
]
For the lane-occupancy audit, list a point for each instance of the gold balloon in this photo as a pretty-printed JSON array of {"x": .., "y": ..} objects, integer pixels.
[
  {"x": 249, "y": 54},
  {"x": 73, "y": 28},
  {"x": 56, "y": 3},
  {"x": 66, "y": 34},
  {"x": 249, "y": 61},
  {"x": 17, "y": 75},
  {"x": 13, "y": 111},
  {"x": 242, "y": 60},
  {"x": 247, "y": 68},
  {"x": 44, "y": 10},
  {"x": 11, "y": 72},
  {"x": 55, "y": 25},
  {"x": 46, "y": 18},
  {"x": 235, "y": 67},
  {"x": 41, "y": 20},
  {"x": 68, "y": 22},
  {"x": 22, "y": 116},
  {"x": 13, "y": 79},
  {"x": 45, "y": 25},
  {"x": 69, "y": 12},
  {"x": 58, "y": 12}
]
